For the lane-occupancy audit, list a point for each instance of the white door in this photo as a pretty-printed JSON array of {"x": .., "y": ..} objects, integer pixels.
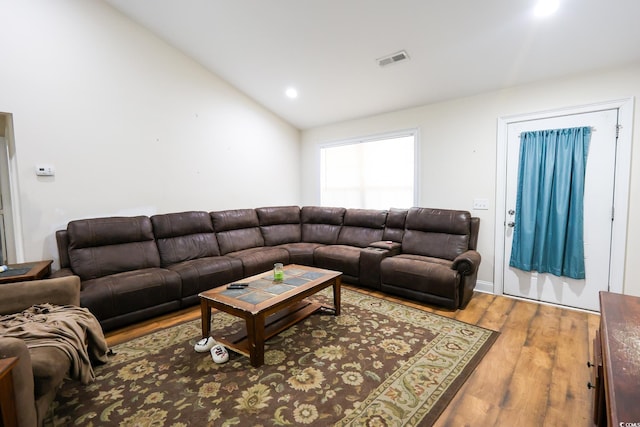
[{"x": 598, "y": 211}]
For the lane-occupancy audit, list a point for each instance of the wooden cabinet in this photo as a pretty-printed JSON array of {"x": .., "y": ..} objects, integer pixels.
[
  {"x": 616, "y": 366},
  {"x": 597, "y": 383}
]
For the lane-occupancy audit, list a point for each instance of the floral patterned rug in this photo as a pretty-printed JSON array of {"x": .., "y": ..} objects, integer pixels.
[{"x": 379, "y": 363}]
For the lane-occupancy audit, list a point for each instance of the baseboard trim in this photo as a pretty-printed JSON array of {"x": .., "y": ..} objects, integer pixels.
[{"x": 486, "y": 287}]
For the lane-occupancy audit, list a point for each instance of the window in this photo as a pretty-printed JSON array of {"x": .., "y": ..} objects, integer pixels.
[{"x": 372, "y": 173}]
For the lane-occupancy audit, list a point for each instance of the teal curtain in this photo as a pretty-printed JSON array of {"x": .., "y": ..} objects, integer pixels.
[{"x": 548, "y": 235}]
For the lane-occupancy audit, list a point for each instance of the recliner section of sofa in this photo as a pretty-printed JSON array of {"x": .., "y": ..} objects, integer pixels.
[
  {"x": 188, "y": 245},
  {"x": 281, "y": 227},
  {"x": 349, "y": 254},
  {"x": 118, "y": 263},
  {"x": 134, "y": 268},
  {"x": 438, "y": 263},
  {"x": 239, "y": 236}
]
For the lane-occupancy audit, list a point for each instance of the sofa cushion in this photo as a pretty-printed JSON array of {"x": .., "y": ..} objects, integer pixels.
[
  {"x": 280, "y": 224},
  {"x": 394, "y": 226},
  {"x": 421, "y": 275},
  {"x": 361, "y": 227},
  {"x": 321, "y": 224},
  {"x": 130, "y": 291},
  {"x": 184, "y": 236},
  {"x": 301, "y": 253},
  {"x": 436, "y": 233},
  {"x": 99, "y": 247},
  {"x": 202, "y": 274},
  {"x": 234, "y": 219},
  {"x": 259, "y": 260},
  {"x": 237, "y": 230},
  {"x": 339, "y": 258}
]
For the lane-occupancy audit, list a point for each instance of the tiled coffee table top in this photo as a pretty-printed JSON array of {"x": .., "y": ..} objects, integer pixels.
[{"x": 264, "y": 287}]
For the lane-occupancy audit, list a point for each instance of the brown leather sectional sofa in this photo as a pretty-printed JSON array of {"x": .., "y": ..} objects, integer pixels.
[{"x": 133, "y": 268}]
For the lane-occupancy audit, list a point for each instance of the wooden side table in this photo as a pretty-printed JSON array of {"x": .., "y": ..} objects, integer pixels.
[
  {"x": 620, "y": 345},
  {"x": 26, "y": 271},
  {"x": 8, "y": 415}
]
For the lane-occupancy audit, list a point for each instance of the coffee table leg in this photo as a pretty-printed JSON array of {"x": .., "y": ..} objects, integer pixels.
[
  {"x": 205, "y": 310},
  {"x": 255, "y": 336},
  {"x": 336, "y": 295}
]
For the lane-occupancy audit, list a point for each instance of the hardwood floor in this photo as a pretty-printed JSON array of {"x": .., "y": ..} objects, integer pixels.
[{"x": 534, "y": 375}]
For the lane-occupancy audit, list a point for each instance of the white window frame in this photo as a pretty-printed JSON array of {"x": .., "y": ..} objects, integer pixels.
[
  {"x": 13, "y": 252},
  {"x": 413, "y": 132},
  {"x": 4, "y": 258}
]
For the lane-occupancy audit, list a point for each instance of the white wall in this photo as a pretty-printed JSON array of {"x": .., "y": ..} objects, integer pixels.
[
  {"x": 458, "y": 149},
  {"x": 131, "y": 125}
]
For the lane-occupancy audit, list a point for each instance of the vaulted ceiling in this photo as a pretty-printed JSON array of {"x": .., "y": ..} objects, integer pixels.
[{"x": 328, "y": 49}]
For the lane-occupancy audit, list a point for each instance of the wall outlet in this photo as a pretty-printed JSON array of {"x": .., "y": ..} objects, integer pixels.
[{"x": 481, "y": 204}]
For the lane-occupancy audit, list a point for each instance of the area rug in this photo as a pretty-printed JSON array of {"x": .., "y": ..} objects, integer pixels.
[{"x": 379, "y": 363}]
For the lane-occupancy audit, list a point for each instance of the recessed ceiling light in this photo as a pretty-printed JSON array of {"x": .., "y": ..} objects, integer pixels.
[
  {"x": 291, "y": 93},
  {"x": 546, "y": 7}
]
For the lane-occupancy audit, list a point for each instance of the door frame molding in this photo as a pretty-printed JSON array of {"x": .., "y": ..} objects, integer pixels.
[
  {"x": 620, "y": 194},
  {"x": 10, "y": 191}
]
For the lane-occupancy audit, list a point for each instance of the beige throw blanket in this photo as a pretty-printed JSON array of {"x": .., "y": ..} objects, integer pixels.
[{"x": 72, "y": 329}]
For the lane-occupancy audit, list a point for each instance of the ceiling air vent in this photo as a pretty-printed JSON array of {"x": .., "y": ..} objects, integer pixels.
[{"x": 393, "y": 58}]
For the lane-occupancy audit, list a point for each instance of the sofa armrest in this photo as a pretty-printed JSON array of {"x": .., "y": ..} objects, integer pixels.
[
  {"x": 369, "y": 267},
  {"x": 63, "y": 272},
  {"x": 393, "y": 248},
  {"x": 15, "y": 297},
  {"x": 22, "y": 374},
  {"x": 467, "y": 263}
]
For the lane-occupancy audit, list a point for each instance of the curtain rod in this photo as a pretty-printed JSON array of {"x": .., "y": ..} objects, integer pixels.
[{"x": 590, "y": 127}]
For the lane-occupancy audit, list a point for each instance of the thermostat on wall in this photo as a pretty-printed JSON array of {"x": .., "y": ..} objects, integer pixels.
[{"x": 45, "y": 170}]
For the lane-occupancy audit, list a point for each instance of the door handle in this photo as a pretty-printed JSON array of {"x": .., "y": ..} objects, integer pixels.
[{"x": 511, "y": 224}]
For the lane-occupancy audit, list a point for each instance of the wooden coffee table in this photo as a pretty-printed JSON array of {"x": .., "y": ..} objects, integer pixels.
[{"x": 269, "y": 307}]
